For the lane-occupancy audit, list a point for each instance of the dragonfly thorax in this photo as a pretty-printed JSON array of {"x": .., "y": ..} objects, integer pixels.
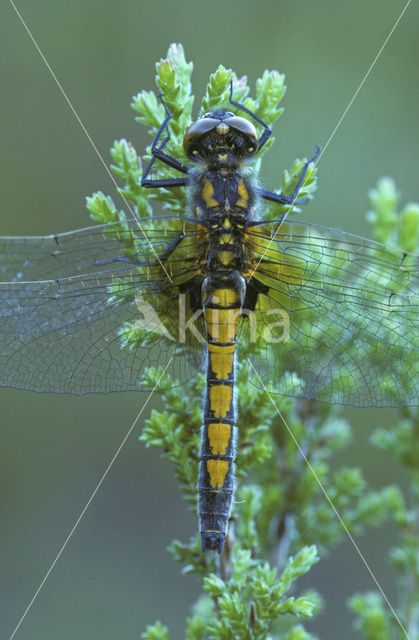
[{"x": 217, "y": 194}]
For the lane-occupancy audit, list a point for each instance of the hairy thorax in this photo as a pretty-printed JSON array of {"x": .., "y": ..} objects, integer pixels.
[{"x": 224, "y": 199}]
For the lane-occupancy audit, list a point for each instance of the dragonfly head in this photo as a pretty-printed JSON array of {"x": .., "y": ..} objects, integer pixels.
[{"x": 220, "y": 134}]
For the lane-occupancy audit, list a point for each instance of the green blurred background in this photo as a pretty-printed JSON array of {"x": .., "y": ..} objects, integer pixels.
[{"x": 115, "y": 576}]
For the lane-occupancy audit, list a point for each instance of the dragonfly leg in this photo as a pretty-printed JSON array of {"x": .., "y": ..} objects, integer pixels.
[
  {"x": 163, "y": 256},
  {"x": 158, "y": 153},
  {"x": 267, "y": 131},
  {"x": 283, "y": 199}
]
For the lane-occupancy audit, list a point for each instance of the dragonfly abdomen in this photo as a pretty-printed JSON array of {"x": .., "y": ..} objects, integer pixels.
[{"x": 223, "y": 297}]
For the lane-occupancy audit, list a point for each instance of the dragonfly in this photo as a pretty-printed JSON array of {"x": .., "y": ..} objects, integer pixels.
[{"x": 311, "y": 311}]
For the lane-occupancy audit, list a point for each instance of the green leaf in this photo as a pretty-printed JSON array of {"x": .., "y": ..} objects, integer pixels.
[
  {"x": 372, "y": 618},
  {"x": 156, "y": 631},
  {"x": 408, "y": 228},
  {"x": 298, "y": 565},
  {"x": 218, "y": 90}
]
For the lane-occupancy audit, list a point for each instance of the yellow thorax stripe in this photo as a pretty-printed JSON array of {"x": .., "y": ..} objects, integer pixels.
[
  {"x": 207, "y": 193},
  {"x": 244, "y": 196},
  {"x": 225, "y": 257}
]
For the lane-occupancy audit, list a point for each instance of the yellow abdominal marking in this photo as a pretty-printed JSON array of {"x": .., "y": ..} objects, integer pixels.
[
  {"x": 225, "y": 297},
  {"x": 207, "y": 193},
  {"x": 244, "y": 196},
  {"x": 222, "y": 156},
  {"x": 220, "y": 397},
  {"x": 221, "y": 359},
  {"x": 217, "y": 470},
  {"x": 219, "y": 436},
  {"x": 222, "y": 324}
]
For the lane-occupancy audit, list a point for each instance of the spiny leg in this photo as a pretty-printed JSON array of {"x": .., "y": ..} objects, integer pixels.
[
  {"x": 267, "y": 131},
  {"x": 157, "y": 151},
  {"x": 282, "y": 199}
]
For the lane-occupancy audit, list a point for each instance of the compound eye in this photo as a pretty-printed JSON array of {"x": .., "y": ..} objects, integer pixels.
[
  {"x": 196, "y": 130},
  {"x": 247, "y": 128}
]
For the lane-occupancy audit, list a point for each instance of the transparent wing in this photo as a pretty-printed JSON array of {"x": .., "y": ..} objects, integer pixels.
[
  {"x": 92, "y": 310},
  {"x": 78, "y": 252},
  {"x": 338, "y": 319}
]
